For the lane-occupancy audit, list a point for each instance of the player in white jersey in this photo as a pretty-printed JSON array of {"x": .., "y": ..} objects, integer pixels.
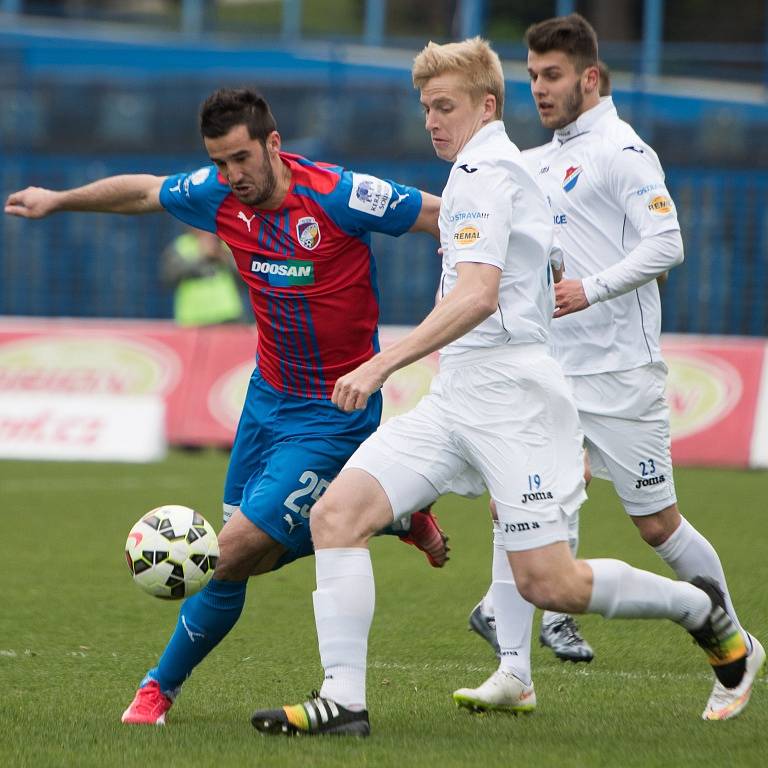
[
  {"x": 618, "y": 228},
  {"x": 559, "y": 631},
  {"x": 499, "y": 407}
]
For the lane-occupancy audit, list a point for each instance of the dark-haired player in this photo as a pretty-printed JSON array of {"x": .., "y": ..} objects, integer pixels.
[{"x": 300, "y": 235}]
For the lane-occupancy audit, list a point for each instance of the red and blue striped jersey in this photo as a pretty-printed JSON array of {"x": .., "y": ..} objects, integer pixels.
[{"x": 308, "y": 265}]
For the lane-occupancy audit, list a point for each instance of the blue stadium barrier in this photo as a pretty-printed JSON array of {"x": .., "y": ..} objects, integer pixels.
[
  {"x": 87, "y": 265},
  {"x": 77, "y": 109}
]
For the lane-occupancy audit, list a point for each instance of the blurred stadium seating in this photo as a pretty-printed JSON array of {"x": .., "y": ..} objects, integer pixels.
[{"x": 81, "y": 104}]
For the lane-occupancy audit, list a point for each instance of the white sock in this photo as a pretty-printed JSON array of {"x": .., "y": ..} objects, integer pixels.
[
  {"x": 514, "y": 616},
  {"x": 689, "y": 554},
  {"x": 550, "y": 617},
  {"x": 486, "y": 604},
  {"x": 344, "y": 602},
  {"x": 620, "y": 590}
]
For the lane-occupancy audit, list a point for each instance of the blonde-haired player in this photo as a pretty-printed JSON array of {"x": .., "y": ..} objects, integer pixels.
[{"x": 499, "y": 407}]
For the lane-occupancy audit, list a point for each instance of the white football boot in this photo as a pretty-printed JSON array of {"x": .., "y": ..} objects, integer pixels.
[
  {"x": 725, "y": 703},
  {"x": 502, "y": 691}
]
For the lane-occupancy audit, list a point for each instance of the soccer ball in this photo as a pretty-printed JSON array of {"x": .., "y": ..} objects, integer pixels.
[{"x": 172, "y": 552}]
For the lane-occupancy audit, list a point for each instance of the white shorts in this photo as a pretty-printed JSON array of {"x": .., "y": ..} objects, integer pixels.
[
  {"x": 625, "y": 419},
  {"x": 500, "y": 418}
]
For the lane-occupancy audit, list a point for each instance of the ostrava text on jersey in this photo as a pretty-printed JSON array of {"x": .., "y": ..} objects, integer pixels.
[
  {"x": 308, "y": 264},
  {"x": 607, "y": 193}
]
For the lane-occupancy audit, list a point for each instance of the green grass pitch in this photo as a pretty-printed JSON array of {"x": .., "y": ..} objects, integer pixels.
[{"x": 76, "y": 637}]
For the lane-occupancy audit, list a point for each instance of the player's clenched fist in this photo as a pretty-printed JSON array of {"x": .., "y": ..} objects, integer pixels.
[
  {"x": 569, "y": 297},
  {"x": 352, "y": 390},
  {"x": 31, "y": 203}
]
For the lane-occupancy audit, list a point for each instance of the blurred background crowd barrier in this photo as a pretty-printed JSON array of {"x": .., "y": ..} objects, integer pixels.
[
  {"x": 97, "y": 88},
  {"x": 117, "y": 389}
]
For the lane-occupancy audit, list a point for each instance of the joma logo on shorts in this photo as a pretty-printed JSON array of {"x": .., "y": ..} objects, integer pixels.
[
  {"x": 537, "y": 496},
  {"x": 643, "y": 481},
  {"x": 520, "y": 527}
]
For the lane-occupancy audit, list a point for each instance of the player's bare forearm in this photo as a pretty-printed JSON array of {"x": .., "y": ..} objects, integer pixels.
[
  {"x": 470, "y": 302},
  {"x": 426, "y": 221},
  {"x": 131, "y": 193}
]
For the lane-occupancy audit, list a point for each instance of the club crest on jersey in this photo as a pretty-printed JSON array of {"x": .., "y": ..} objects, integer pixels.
[
  {"x": 283, "y": 273},
  {"x": 308, "y": 232},
  {"x": 571, "y": 177},
  {"x": 466, "y": 235}
]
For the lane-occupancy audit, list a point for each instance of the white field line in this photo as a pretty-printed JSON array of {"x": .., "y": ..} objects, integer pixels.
[
  {"x": 561, "y": 670},
  {"x": 77, "y": 485},
  {"x": 564, "y": 669}
]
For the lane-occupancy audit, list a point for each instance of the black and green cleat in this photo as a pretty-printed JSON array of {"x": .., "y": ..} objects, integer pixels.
[
  {"x": 720, "y": 637},
  {"x": 316, "y": 717}
]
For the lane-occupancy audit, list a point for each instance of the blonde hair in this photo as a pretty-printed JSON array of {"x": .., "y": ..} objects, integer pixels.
[{"x": 473, "y": 59}]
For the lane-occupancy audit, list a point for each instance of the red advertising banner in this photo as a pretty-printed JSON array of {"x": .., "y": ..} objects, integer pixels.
[
  {"x": 216, "y": 385},
  {"x": 713, "y": 389},
  {"x": 82, "y": 357},
  {"x": 715, "y": 385}
]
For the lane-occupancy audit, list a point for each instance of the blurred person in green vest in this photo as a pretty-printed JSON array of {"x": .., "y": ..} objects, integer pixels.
[{"x": 201, "y": 268}]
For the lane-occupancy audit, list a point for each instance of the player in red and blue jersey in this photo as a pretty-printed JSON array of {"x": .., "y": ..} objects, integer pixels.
[{"x": 300, "y": 234}]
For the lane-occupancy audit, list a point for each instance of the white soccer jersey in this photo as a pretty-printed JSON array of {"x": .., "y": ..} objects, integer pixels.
[
  {"x": 607, "y": 193},
  {"x": 492, "y": 212}
]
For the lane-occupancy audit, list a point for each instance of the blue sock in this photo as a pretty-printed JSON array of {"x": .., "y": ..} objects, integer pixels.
[{"x": 204, "y": 620}]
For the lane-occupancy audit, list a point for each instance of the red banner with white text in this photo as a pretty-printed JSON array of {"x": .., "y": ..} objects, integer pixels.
[{"x": 717, "y": 387}]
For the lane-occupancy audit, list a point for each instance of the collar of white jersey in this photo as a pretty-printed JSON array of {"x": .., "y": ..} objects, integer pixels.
[
  {"x": 586, "y": 121},
  {"x": 487, "y": 132}
]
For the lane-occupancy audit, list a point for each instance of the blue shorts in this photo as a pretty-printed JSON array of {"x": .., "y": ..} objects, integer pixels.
[{"x": 286, "y": 452}]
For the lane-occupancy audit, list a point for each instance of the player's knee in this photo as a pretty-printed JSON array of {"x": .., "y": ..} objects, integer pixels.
[
  {"x": 347, "y": 515},
  {"x": 541, "y": 590},
  {"x": 553, "y": 588},
  {"x": 331, "y": 523},
  {"x": 232, "y": 564},
  {"x": 323, "y": 518},
  {"x": 656, "y": 529},
  {"x": 245, "y": 550}
]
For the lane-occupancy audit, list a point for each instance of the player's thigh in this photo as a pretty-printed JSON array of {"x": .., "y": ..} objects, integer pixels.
[
  {"x": 353, "y": 509},
  {"x": 628, "y": 441},
  {"x": 520, "y": 431},
  {"x": 413, "y": 458},
  {"x": 254, "y": 435}
]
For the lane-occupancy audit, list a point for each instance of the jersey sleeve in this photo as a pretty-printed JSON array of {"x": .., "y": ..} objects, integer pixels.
[
  {"x": 636, "y": 183},
  {"x": 361, "y": 203},
  {"x": 194, "y": 198},
  {"x": 479, "y": 220}
]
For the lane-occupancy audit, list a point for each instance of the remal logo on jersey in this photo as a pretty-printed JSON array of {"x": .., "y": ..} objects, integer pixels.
[
  {"x": 466, "y": 235},
  {"x": 571, "y": 177},
  {"x": 284, "y": 273}
]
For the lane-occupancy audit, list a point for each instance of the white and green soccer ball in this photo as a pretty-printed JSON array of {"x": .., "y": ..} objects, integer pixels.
[{"x": 172, "y": 552}]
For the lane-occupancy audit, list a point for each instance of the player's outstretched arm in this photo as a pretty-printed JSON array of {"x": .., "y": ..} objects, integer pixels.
[{"x": 134, "y": 193}]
